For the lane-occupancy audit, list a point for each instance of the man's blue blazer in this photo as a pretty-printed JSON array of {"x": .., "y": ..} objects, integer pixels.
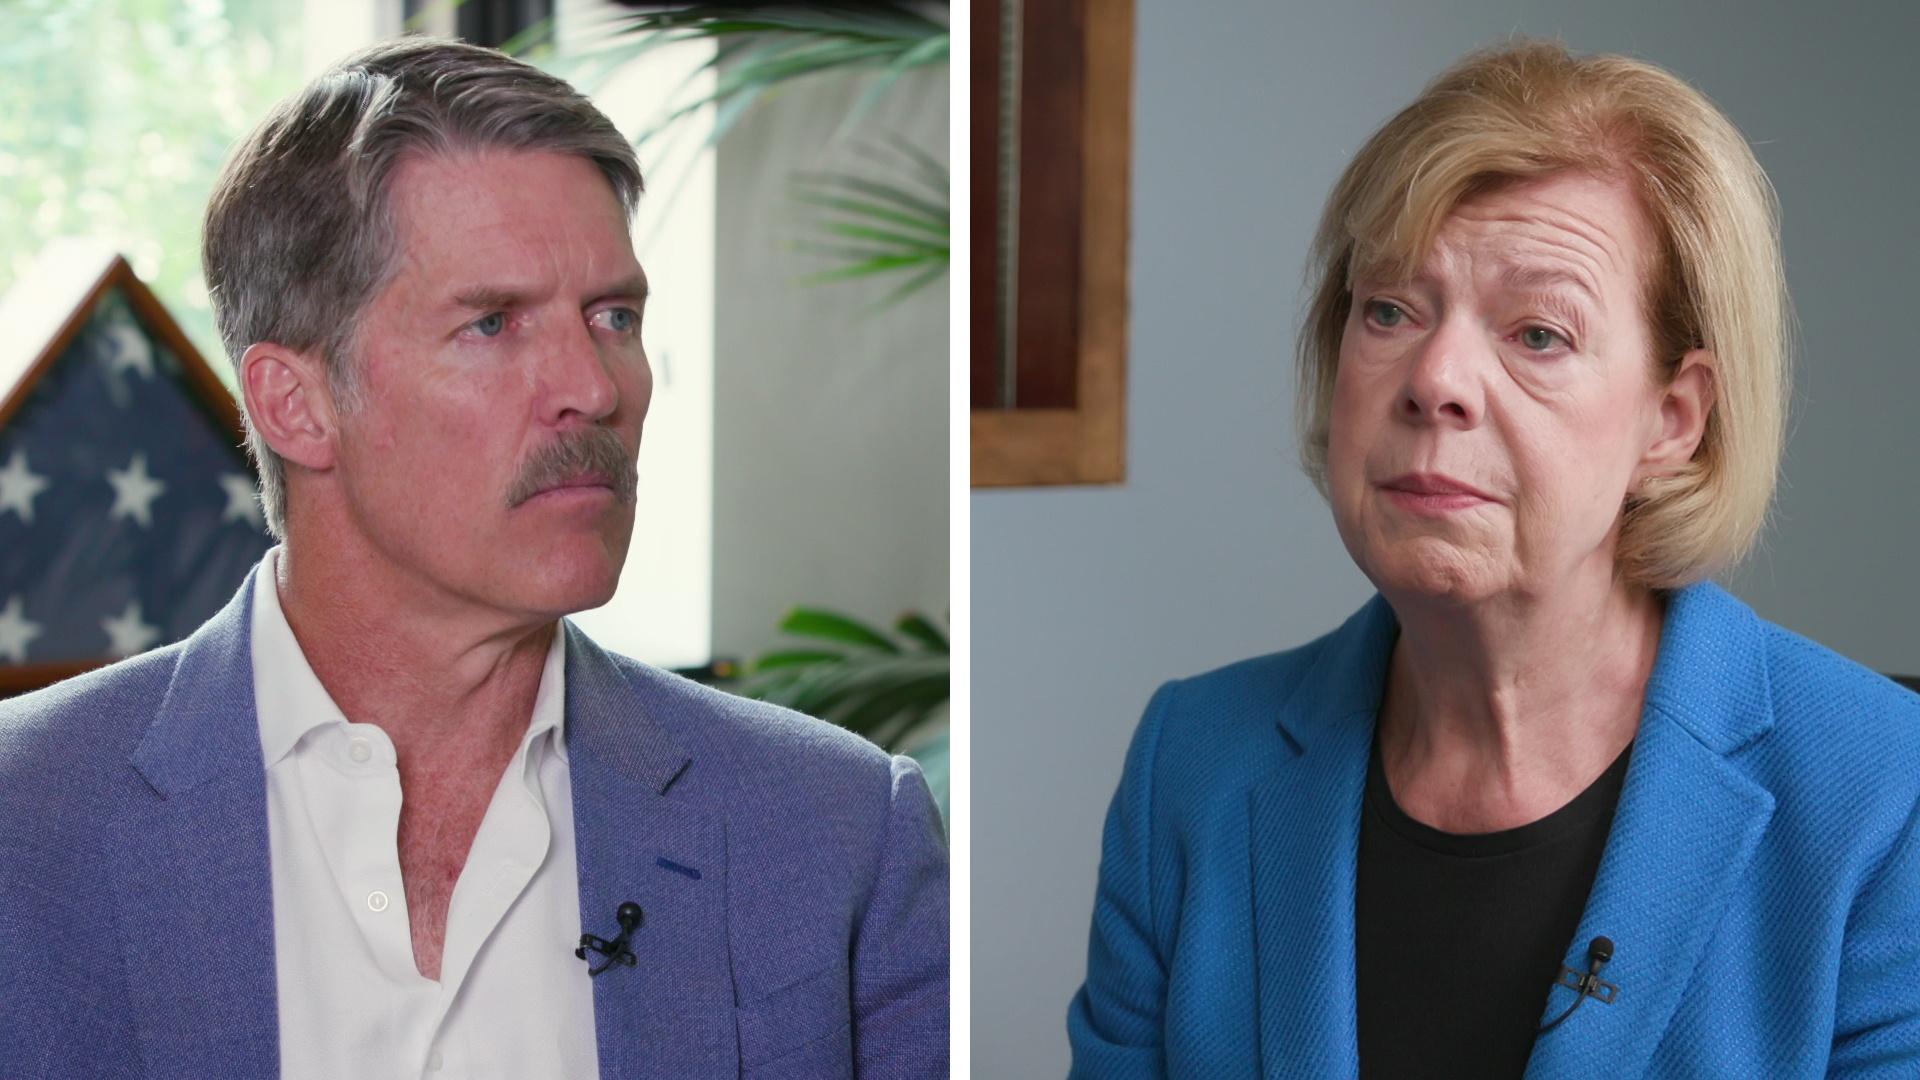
[
  {"x": 1761, "y": 882},
  {"x": 793, "y": 877}
]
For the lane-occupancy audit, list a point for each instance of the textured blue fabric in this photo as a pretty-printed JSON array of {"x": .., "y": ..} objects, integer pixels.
[
  {"x": 136, "y": 921},
  {"x": 1761, "y": 881}
]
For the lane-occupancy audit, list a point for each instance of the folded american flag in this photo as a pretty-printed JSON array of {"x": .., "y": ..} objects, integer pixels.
[{"x": 127, "y": 509}]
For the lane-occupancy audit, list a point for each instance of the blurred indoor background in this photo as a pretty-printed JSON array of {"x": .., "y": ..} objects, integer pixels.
[
  {"x": 794, "y": 231},
  {"x": 1216, "y": 548}
]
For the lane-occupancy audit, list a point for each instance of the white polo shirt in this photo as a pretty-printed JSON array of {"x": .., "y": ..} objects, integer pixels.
[{"x": 511, "y": 1001}]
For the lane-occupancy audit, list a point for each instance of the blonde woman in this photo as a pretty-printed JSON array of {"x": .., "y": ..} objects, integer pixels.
[{"x": 1552, "y": 803}]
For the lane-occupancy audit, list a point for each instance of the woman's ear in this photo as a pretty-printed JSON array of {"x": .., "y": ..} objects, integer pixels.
[
  {"x": 1685, "y": 404},
  {"x": 289, "y": 402}
]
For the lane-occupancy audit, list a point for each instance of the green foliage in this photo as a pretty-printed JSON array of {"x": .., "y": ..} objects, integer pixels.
[
  {"x": 894, "y": 692},
  {"x": 760, "y": 49},
  {"x": 115, "y": 116},
  {"x": 935, "y": 761},
  {"x": 892, "y": 224},
  {"x": 879, "y": 225},
  {"x": 921, "y": 629}
]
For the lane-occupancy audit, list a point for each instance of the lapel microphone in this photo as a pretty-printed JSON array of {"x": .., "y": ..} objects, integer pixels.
[
  {"x": 1586, "y": 984},
  {"x": 615, "y": 951}
]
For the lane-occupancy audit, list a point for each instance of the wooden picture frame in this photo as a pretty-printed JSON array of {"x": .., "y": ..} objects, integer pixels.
[
  {"x": 48, "y": 307},
  {"x": 1049, "y": 241}
]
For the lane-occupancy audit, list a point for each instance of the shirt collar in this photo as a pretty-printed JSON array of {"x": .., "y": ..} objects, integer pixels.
[
  {"x": 290, "y": 700},
  {"x": 550, "y": 703}
]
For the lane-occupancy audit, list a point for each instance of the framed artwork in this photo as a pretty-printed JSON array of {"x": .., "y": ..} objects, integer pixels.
[{"x": 1051, "y": 137}]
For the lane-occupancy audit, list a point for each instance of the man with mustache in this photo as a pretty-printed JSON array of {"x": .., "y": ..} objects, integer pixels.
[{"x": 358, "y": 824}]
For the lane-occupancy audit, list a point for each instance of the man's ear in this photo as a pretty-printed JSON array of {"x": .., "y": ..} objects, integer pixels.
[
  {"x": 1684, "y": 406},
  {"x": 289, "y": 402}
]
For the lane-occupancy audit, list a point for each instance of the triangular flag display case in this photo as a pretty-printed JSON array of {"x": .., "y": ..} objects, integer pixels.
[{"x": 127, "y": 505}]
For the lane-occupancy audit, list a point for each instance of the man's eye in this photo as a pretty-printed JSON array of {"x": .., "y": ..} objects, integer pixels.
[
  {"x": 491, "y": 326},
  {"x": 1384, "y": 313},
  {"x": 621, "y": 320},
  {"x": 1539, "y": 338}
]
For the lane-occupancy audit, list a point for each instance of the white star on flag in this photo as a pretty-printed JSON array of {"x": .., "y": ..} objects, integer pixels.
[
  {"x": 15, "y": 632},
  {"x": 241, "y": 503},
  {"x": 134, "y": 491},
  {"x": 130, "y": 350},
  {"x": 18, "y": 486},
  {"x": 130, "y": 636}
]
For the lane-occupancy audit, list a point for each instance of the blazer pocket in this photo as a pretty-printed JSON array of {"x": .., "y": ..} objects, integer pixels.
[{"x": 806, "y": 1027}]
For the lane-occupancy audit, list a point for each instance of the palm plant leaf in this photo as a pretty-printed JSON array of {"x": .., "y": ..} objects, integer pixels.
[
  {"x": 908, "y": 287},
  {"x": 792, "y": 658},
  {"x": 878, "y": 689},
  {"x": 895, "y": 226},
  {"x": 887, "y": 237},
  {"x": 873, "y": 210},
  {"x": 760, "y": 49},
  {"x": 885, "y": 714},
  {"x": 904, "y": 727},
  {"x": 833, "y": 626},
  {"x": 868, "y": 19},
  {"x": 935, "y": 758},
  {"x": 866, "y": 267},
  {"x": 839, "y": 691},
  {"x": 531, "y": 43},
  {"x": 921, "y": 629},
  {"x": 930, "y": 210}
]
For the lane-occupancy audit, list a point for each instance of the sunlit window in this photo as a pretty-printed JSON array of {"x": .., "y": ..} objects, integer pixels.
[{"x": 662, "y": 612}]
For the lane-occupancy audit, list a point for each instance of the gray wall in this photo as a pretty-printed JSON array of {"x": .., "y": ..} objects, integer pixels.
[
  {"x": 830, "y": 420},
  {"x": 1216, "y": 548}
]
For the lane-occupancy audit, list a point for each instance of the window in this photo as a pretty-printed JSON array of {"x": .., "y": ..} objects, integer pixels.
[{"x": 663, "y": 611}]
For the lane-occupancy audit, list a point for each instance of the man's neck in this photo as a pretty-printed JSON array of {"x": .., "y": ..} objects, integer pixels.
[{"x": 453, "y": 688}]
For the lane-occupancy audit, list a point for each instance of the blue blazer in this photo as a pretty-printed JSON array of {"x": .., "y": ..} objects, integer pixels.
[
  {"x": 1761, "y": 882},
  {"x": 794, "y": 877}
]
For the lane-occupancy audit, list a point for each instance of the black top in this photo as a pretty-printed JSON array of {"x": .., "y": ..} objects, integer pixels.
[{"x": 1458, "y": 937}]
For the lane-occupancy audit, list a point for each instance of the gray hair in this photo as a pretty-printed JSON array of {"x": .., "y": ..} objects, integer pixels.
[{"x": 299, "y": 234}]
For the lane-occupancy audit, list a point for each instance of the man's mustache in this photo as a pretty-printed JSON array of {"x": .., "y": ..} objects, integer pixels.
[{"x": 595, "y": 450}]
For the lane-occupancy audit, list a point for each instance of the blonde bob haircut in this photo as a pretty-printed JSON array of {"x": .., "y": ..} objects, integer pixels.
[{"x": 1529, "y": 109}]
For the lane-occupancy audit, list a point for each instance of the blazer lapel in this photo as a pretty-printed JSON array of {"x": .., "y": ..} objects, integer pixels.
[
  {"x": 1305, "y": 837},
  {"x": 192, "y": 885},
  {"x": 670, "y": 1015},
  {"x": 1687, "y": 825}
]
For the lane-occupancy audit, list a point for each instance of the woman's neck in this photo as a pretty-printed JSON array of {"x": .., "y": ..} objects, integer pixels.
[{"x": 1497, "y": 714}]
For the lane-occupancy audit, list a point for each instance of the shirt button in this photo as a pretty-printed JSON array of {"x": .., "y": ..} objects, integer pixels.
[
  {"x": 376, "y": 901},
  {"x": 434, "y": 1062},
  {"x": 360, "y": 751}
]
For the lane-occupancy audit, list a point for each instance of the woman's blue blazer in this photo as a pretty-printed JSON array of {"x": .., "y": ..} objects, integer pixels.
[{"x": 1761, "y": 882}]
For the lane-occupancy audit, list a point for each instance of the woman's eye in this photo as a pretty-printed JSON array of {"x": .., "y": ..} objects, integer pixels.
[
  {"x": 1539, "y": 338},
  {"x": 1385, "y": 314},
  {"x": 491, "y": 326}
]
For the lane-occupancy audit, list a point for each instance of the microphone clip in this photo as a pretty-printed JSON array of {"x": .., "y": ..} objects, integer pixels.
[
  {"x": 615, "y": 951},
  {"x": 1588, "y": 983},
  {"x": 1585, "y": 984}
]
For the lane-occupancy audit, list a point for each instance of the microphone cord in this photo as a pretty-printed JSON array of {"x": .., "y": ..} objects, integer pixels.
[
  {"x": 1599, "y": 951},
  {"x": 1562, "y": 1018}
]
